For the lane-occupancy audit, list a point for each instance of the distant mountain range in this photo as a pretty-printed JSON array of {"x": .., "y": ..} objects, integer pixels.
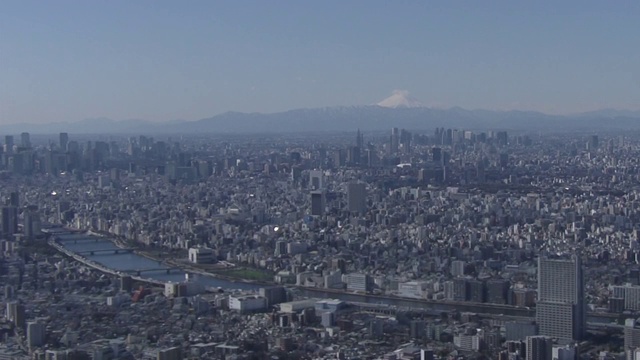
[{"x": 398, "y": 112}]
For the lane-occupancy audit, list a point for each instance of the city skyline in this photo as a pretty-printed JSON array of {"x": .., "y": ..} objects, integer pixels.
[
  {"x": 455, "y": 242},
  {"x": 165, "y": 61}
]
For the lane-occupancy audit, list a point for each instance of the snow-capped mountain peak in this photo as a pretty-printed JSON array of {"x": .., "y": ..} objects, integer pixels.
[{"x": 400, "y": 99}]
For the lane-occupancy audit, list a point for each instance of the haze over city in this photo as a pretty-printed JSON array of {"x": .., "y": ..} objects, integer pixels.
[
  {"x": 66, "y": 61},
  {"x": 326, "y": 180}
]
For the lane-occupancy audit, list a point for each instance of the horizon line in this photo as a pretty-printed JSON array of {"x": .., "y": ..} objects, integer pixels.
[{"x": 443, "y": 108}]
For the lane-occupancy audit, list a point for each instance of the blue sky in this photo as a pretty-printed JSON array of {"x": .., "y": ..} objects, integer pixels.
[{"x": 68, "y": 60}]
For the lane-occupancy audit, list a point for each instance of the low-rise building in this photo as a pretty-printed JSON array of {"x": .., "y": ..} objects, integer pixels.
[
  {"x": 247, "y": 303},
  {"x": 414, "y": 289},
  {"x": 358, "y": 282},
  {"x": 201, "y": 255},
  {"x": 295, "y": 306}
]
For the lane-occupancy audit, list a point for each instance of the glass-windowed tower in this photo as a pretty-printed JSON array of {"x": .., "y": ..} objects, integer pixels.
[{"x": 560, "y": 310}]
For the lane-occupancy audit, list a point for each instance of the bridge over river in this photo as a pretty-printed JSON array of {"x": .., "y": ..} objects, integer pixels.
[
  {"x": 108, "y": 257},
  {"x": 161, "y": 270},
  {"x": 106, "y": 251},
  {"x": 103, "y": 254}
]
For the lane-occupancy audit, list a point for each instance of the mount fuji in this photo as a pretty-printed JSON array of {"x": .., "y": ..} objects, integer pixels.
[
  {"x": 398, "y": 110},
  {"x": 400, "y": 99}
]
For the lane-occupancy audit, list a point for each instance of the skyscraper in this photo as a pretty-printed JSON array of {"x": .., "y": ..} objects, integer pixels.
[
  {"x": 405, "y": 141},
  {"x": 14, "y": 199},
  {"x": 64, "y": 141},
  {"x": 436, "y": 155},
  {"x": 353, "y": 155},
  {"x": 395, "y": 141},
  {"x": 9, "y": 220},
  {"x": 357, "y": 197},
  {"x": 360, "y": 140},
  {"x": 317, "y": 203},
  {"x": 36, "y": 334},
  {"x": 316, "y": 178},
  {"x": 16, "y": 314},
  {"x": 25, "y": 140},
  {"x": 8, "y": 144},
  {"x": 539, "y": 348},
  {"x": 502, "y": 138},
  {"x": 560, "y": 310},
  {"x": 631, "y": 334},
  {"x": 32, "y": 225}
]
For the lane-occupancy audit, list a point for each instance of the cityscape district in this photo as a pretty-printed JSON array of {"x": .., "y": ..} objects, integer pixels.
[{"x": 451, "y": 244}]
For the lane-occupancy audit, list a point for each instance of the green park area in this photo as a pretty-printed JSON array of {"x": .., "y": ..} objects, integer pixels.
[{"x": 247, "y": 274}]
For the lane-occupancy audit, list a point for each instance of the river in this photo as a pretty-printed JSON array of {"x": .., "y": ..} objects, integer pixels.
[{"x": 80, "y": 243}]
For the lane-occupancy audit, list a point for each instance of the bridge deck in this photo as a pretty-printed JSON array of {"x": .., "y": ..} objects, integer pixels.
[
  {"x": 141, "y": 271},
  {"x": 108, "y": 250}
]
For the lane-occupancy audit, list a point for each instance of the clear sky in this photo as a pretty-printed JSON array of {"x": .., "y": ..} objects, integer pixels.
[{"x": 160, "y": 60}]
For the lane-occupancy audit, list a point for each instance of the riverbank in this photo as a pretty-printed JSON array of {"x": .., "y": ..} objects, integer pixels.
[
  {"x": 110, "y": 264},
  {"x": 237, "y": 274},
  {"x": 148, "y": 269},
  {"x": 96, "y": 266},
  {"x": 217, "y": 275}
]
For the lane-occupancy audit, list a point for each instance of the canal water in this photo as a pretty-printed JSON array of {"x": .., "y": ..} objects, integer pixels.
[{"x": 81, "y": 243}]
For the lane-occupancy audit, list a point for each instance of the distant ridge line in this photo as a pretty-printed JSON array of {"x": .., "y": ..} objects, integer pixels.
[{"x": 349, "y": 118}]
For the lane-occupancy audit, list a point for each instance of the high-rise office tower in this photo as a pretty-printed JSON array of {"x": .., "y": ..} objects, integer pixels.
[
  {"x": 14, "y": 199},
  {"x": 455, "y": 136},
  {"x": 457, "y": 268},
  {"x": 322, "y": 156},
  {"x": 36, "y": 334},
  {"x": 25, "y": 140},
  {"x": 316, "y": 179},
  {"x": 422, "y": 175},
  {"x": 32, "y": 225},
  {"x": 16, "y": 314},
  {"x": 539, "y": 348},
  {"x": 436, "y": 155},
  {"x": 357, "y": 197},
  {"x": 631, "y": 334},
  {"x": 317, "y": 203},
  {"x": 504, "y": 160},
  {"x": 353, "y": 155},
  {"x": 64, "y": 141},
  {"x": 9, "y": 220},
  {"x": 339, "y": 158},
  {"x": 480, "y": 171},
  {"x": 370, "y": 158},
  {"x": 502, "y": 137},
  {"x": 8, "y": 144},
  {"x": 360, "y": 140},
  {"x": 447, "y": 137},
  {"x": 395, "y": 141},
  {"x": 560, "y": 310},
  {"x": 405, "y": 141},
  {"x": 296, "y": 174}
]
